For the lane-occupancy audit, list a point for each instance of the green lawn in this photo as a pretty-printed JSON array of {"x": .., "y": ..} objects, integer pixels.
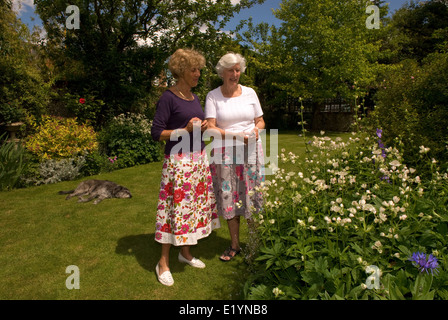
[{"x": 111, "y": 243}]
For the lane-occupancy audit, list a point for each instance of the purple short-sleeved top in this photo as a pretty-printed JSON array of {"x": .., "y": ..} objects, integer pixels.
[{"x": 173, "y": 113}]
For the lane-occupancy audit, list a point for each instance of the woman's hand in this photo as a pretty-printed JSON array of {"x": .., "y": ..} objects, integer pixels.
[
  {"x": 251, "y": 135},
  {"x": 204, "y": 125},
  {"x": 193, "y": 122}
]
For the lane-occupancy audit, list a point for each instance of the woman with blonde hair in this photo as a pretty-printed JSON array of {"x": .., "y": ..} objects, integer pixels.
[{"x": 186, "y": 209}]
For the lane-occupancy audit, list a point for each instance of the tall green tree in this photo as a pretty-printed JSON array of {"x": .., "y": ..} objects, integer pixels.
[
  {"x": 412, "y": 102},
  {"x": 418, "y": 29},
  {"x": 22, "y": 88},
  {"x": 323, "y": 48},
  {"x": 121, "y": 47}
]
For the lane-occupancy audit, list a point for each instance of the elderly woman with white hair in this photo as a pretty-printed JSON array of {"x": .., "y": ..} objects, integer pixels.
[{"x": 234, "y": 112}]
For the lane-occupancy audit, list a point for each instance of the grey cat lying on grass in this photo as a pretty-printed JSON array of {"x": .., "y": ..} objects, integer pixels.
[{"x": 100, "y": 189}]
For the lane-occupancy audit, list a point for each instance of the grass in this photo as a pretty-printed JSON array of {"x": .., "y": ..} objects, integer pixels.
[{"x": 111, "y": 243}]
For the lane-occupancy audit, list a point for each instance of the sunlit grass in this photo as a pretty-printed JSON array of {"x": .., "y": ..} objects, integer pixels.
[{"x": 112, "y": 244}]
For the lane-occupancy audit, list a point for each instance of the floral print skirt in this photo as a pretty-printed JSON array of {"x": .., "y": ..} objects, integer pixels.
[
  {"x": 235, "y": 181},
  {"x": 186, "y": 209}
]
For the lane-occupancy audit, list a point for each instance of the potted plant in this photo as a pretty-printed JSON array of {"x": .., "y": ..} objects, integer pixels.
[{"x": 11, "y": 116}]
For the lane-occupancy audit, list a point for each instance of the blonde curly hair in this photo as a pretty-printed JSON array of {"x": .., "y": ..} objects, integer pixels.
[{"x": 183, "y": 59}]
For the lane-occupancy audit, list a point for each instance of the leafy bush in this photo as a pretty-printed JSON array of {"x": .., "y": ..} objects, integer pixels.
[
  {"x": 412, "y": 105},
  {"x": 61, "y": 138},
  {"x": 52, "y": 171},
  {"x": 350, "y": 207},
  {"x": 128, "y": 136},
  {"x": 11, "y": 112},
  {"x": 12, "y": 163},
  {"x": 96, "y": 163},
  {"x": 86, "y": 108}
]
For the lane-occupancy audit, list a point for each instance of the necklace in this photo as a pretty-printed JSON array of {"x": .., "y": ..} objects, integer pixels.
[{"x": 189, "y": 99}]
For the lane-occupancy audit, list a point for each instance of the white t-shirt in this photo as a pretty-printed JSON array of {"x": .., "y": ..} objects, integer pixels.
[{"x": 234, "y": 114}]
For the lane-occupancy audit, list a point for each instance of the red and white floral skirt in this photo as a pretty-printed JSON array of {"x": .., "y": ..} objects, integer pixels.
[{"x": 186, "y": 210}]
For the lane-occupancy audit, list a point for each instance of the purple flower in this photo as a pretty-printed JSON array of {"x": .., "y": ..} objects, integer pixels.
[
  {"x": 379, "y": 132},
  {"x": 423, "y": 263}
]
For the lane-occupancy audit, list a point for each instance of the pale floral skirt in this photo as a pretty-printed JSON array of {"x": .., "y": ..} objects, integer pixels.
[
  {"x": 186, "y": 209},
  {"x": 235, "y": 181}
]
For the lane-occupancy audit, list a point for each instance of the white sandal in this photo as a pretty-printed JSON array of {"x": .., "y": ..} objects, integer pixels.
[
  {"x": 194, "y": 262},
  {"x": 165, "y": 278}
]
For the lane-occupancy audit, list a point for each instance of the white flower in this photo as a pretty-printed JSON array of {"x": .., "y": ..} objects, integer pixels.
[
  {"x": 423, "y": 149},
  {"x": 395, "y": 163},
  {"x": 277, "y": 292}
]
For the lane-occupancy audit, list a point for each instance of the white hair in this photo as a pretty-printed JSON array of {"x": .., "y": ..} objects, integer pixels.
[{"x": 228, "y": 61}]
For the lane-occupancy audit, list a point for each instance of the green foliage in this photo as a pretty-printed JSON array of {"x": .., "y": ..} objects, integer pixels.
[
  {"x": 121, "y": 47},
  {"x": 22, "y": 88},
  {"x": 12, "y": 163},
  {"x": 54, "y": 170},
  {"x": 346, "y": 206},
  {"x": 59, "y": 138},
  {"x": 417, "y": 29},
  {"x": 11, "y": 112},
  {"x": 412, "y": 104},
  {"x": 85, "y": 108},
  {"x": 96, "y": 163},
  {"x": 321, "y": 50},
  {"x": 128, "y": 137}
]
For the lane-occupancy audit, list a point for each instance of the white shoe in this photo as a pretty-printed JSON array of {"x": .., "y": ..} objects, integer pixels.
[
  {"x": 165, "y": 278},
  {"x": 194, "y": 262}
]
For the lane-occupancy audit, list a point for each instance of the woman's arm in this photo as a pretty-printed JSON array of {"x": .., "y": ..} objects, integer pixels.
[
  {"x": 259, "y": 124},
  {"x": 211, "y": 125},
  {"x": 166, "y": 134}
]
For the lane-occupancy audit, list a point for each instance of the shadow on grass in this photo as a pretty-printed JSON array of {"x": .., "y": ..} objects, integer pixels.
[{"x": 230, "y": 276}]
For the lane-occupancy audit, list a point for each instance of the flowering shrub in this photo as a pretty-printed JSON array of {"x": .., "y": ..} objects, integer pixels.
[
  {"x": 59, "y": 138},
  {"x": 96, "y": 163},
  {"x": 128, "y": 137},
  {"x": 348, "y": 208},
  {"x": 86, "y": 108}
]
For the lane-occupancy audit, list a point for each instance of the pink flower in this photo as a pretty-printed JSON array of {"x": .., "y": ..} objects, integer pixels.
[
  {"x": 186, "y": 186},
  {"x": 185, "y": 228},
  {"x": 162, "y": 195}
]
